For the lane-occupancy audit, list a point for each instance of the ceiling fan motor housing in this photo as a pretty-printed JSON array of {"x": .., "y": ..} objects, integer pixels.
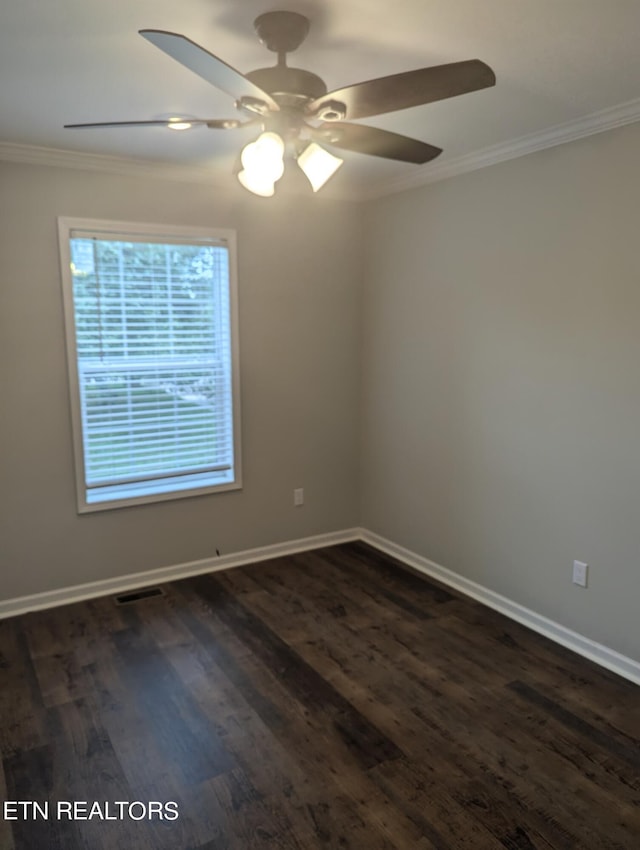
[
  {"x": 281, "y": 32},
  {"x": 288, "y": 86}
]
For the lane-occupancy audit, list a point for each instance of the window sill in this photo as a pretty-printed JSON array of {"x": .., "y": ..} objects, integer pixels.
[{"x": 143, "y": 493}]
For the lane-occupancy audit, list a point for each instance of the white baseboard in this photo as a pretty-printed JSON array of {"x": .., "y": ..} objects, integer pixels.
[
  {"x": 602, "y": 655},
  {"x": 120, "y": 584}
]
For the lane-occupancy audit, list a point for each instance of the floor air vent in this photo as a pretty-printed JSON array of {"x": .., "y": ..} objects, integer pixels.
[{"x": 138, "y": 595}]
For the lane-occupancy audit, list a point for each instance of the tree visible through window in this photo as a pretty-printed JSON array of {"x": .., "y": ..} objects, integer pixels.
[{"x": 152, "y": 343}]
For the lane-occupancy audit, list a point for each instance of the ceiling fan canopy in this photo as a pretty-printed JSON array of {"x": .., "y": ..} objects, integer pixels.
[{"x": 294, "y": 105}]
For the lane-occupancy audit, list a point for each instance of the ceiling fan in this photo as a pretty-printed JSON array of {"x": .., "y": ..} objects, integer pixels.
[{"x": 296, "y": 112}]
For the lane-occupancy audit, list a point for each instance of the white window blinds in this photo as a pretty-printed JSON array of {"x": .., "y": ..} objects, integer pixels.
[{"x": 153, "y": 350}]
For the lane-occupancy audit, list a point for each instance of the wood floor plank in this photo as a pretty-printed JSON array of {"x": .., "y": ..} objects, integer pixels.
[
  {"x": 308, "y": 598},
  {"x": 60, "y": 678},
  {"x": 264, "y": 763},
  {"x": 386, "y": 572},
  {"x": 22, "y": 714},
  {"x": 511, "y": 753},
  {"x": 507, "y": 816},
  {"x": 30, "y": 777},
  {"x": 302, "y": 681},
  {"x": 329, "y": 773},
  {"x": 185, "y": 736},
  {"x": 6, "y": 836},
  {"x": 431, "y": 808},
  {"x": 582, "y": 680},
  {"x": 85, "y": 768},
  {"x": 149, "y": 774},
  {"x": 329, "y": 699}
]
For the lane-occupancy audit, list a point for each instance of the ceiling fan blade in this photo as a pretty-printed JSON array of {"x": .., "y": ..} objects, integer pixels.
[
  {"x": 208, "y": 66},
  {"x": 212, "y": 123},
  {"x": 411, "y": 88},
  {"x": 375, "y": 142}
]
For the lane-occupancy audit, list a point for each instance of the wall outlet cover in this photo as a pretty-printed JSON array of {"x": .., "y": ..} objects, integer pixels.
[{"x": 580, "y": 571}]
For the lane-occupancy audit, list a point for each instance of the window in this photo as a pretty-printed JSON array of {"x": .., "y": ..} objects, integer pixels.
[{"x": 151, "y": 322}]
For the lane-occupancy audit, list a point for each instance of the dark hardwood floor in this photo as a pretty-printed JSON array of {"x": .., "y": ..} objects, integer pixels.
[{"x": 323, "y": 700}]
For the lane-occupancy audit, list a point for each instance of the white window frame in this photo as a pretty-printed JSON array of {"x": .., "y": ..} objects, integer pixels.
[{"x": 156, "y": 232}]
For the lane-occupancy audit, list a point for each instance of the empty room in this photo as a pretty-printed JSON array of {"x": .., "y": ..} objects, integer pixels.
[{"x": 320, "y": 425}]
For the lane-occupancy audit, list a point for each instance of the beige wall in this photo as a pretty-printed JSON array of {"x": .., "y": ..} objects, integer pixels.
[
  {"x": 502, "y": 381},
  {"x": 299, "y": 288}
]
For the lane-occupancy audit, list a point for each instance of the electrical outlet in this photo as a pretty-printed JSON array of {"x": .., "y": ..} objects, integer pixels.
[
  {"x": 298, "y": 497},
  {"x": 580, "y": 571}
]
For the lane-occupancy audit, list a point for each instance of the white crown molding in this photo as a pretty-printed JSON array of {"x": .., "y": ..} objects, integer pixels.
[
  {"x": 33, "y": 155},
  {"x": 559, "y": 134},
  {"x": 597, "y": 652},
  {"x": 597, "y": 122}
]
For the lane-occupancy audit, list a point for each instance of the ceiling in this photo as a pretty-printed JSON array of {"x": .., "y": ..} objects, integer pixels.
[{"x": 74, "y": 61}]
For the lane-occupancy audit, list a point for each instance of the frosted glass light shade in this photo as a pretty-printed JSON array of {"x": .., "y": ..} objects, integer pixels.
[
  {"x": 254, "y": 183},
  {"x": 265, "y": 155},
  {"x": 318, "y": 165}
]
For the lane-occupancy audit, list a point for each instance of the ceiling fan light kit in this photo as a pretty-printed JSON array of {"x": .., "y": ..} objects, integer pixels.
[
  {"x": 296, "y": 113},
  {"x": 257, "y": 184},
  {"x": 262, "y": 164},
  {"x": 179, "y": 124},
  {"x": 318, "y": 165}
]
